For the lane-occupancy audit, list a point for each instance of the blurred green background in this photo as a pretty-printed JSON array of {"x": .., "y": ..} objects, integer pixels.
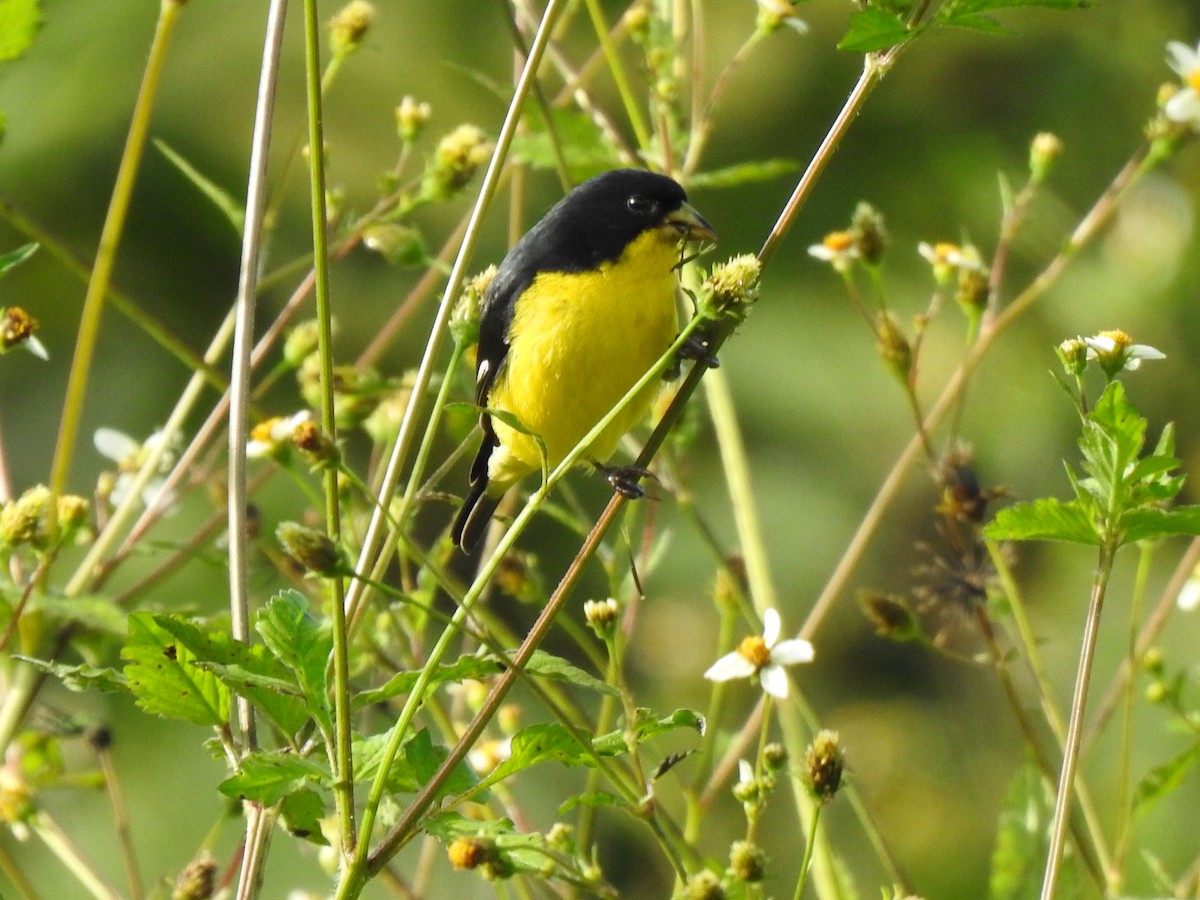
[{"x": 930, "y": 743}]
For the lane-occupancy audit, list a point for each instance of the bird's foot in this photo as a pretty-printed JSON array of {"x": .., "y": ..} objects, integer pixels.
[
  {"x": 694, "y": 348},
  {"x": 625, "y": 480}
]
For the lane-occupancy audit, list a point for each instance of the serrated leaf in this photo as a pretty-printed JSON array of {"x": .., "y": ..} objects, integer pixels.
[
  {"x": 19, "y": 22},
  {"x": 1146, "y": 524},
  {"x": 22, "y": 253},
  {"x": 743, "y": 173},
  {"x": 301, "y": 812},
  {"x": 873, "y": 29},
  {"x": 229, "y": 207},
  {"x": 648, "y": 727},
  {"x": 547, "y": 665},
  {"x": 1164, "y": 779},
  {"x": 302, "y": 644},
  {"x": 975, "y": 22},
  {"x": 269, "y": 777},
  {"x": 426, "y": 758},
  {"x": 979, "y": 6},
  {"x": 1046, "y": 519},
  {"x": 162, "y": 677},
  {"x": 540, "y": 743},
  {"x": 368, "y": 754},
  {"x": 276, "y": 697},
  {"x": 464, "y": 667},
  {"x": 81, "y": 678},
  {"x": 580, "y": 140}
]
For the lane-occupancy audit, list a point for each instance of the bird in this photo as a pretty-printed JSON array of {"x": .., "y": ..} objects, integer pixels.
[{"x": 578, "y": 311}]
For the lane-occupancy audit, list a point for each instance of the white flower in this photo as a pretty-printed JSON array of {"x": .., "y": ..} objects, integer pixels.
[
  {"x": 837, "y": 248},
  {"x": 266, "y": 437},
  {"x": 129, "y": 456},
  {"x": 1114, "y": 350},
  {"x": 763, "y": 656},
  {"x": 1184, "y": 105}
]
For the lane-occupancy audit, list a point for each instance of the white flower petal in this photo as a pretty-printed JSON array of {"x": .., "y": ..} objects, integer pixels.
[
  {"x": 1189, "y": 596},
  {"x": 1183, "y": 107},
  {"x": 116, "y": 445},
  {"x": 771, "y": 626},
  {"x": 821, "y": 252},
  {"x": 791, "y": 652},
  {"x": 774, "y": 681},
  {"x": 745, "y": 771},
  {"x": 1145, "y": 351},
  {"x": 1183, "y": 59},
  {"x": 729, "y": 667},
  {"x": 36, "y": 347}
]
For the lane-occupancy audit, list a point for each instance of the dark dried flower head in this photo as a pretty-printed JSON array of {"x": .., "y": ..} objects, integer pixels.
[
  {"x": 823, "y": 766},
  {"x": 198, "y": 880},
  {"x": 868, "y": 233},
  {"x": 313, "y": 550}
]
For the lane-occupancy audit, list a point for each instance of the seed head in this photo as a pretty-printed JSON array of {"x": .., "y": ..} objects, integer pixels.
[{"x": 823, "y": 765}]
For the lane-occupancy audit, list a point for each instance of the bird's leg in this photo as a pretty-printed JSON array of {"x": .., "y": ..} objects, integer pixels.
[
  {"x": 625, "y": 479},
  {"x": 694, "y": 348}
]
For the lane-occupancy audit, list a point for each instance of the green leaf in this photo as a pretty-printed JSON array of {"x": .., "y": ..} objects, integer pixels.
[
  {"x": 547, "y": 665},
  {"x": 301, "y": 812},
  {"x": 19, "y": 22},
  {"x": 743, "y": 173},
  {"x": 81, "y": 678},
  {"x": 647, "y": 727},
  {"x": 591, "y": 798},
  {"x": 539, "y": 743},
  {"x": 874, "y": 29},
  {"x": 269, "y": 777},
  {"x": 582, "y": 143},
  {"x": 220, "y": 198},
  {"x": 1164, "y": 779},
  {"x": 368, "y": 755},
  {"x": 426, "y": 758},
  {"x": 403, "y": 682},
  {"x": 1145, "y": 524},
  {"x": 1019, "y": 854},
  {"x": 18, "y": 256},
  {"x": 162, "y": 677},
  {"x": 1046, "y": 519},
  {"x": 302, "y": 644},
  {"x": 275, "y": 695}
]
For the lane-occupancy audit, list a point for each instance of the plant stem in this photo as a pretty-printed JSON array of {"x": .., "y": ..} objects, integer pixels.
[
  {"x": 1066, "y": 780},
  {"x": 808, "y": 851},
  {"x": 106, "y": 252}
]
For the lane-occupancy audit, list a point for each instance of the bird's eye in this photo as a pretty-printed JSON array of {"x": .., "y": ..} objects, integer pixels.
[{"x": 639, "y": 204}]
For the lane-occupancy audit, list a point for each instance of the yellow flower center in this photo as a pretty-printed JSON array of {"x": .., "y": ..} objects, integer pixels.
[
  {"x": 262, "y": 431},
  {"x": 838, "y": 241},
  {"x": 1119, "y": 338},
  {"x": 944, "y": 252},
  {"x": 755, "y": 651},
  {"x": 1192, "y": 79}
]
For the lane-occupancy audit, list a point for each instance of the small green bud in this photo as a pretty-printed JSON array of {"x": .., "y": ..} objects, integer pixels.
[
  {"x": 455, "y": 161},
  {"x": 411, "y": 117},
  {"x": 868, "y": 233},
  {"x": 25, "y": 520},
  {"x": 893, "y": 347},
  {"x": 350, "y": 25},
  {"x": 1152, "y": 662},
  {"x": 301, "y": 342},
  {"x": 398, "y": 244},
  {"x": 704, "y": 885},
  {"x": 775, "y": 757},
  {"x": 198, "y": 880},
  {"x": 313, "y": 550},
  {"x": 1156, "y": 692},
  {"x": 1073, "y": 354},
  {"x": 602, "y": 617},
  {"x": 747, "y": 861},
  {"x": 1044, "y": 151},
  {"x": 973, "y": 288}
]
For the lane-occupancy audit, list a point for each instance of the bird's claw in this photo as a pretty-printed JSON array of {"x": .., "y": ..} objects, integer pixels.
[{"x": 694, "y": 348}]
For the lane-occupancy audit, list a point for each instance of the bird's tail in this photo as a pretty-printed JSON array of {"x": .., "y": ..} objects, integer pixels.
[{"x": 473, "y": 518}]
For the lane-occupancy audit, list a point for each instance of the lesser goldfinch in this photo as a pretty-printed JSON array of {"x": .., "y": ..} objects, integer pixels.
[{"x": 580, "y": 309}]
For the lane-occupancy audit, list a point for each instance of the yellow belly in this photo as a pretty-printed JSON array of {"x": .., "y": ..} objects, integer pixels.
[{"x": 578, "y": 343}]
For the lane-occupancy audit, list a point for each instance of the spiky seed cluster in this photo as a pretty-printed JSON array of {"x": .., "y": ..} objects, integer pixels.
[
  {"x": 313, "y": 550},
  {"x": 893, "y": 347},
  {"x": 733, "y": 285},
  {"x": 823, "y": 766},
  {"x": 464, "y": 322},
  {"x": 16, "y": 327},
  {"x": 704, "y": 885},
  {"x": 455, "y": 161},
  {"x": 198, "y": 880}
]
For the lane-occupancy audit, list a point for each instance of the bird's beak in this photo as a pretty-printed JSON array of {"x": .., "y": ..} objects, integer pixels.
[{"x": 690, "y": 225}]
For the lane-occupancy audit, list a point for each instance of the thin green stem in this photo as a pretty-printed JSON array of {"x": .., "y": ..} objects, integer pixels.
[
  {"x": 343, "y": 785},
  {"x": 110, "y": 239},
  {"x": 1066, "y": 780},
  {"x": 809, "y": 845},
  {"x": 71, "y": 857},
  {"x": 640, "y": 130}
]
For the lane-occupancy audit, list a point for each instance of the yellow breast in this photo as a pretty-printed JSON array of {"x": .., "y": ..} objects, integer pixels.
[{"x": 577, "y": 344}]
